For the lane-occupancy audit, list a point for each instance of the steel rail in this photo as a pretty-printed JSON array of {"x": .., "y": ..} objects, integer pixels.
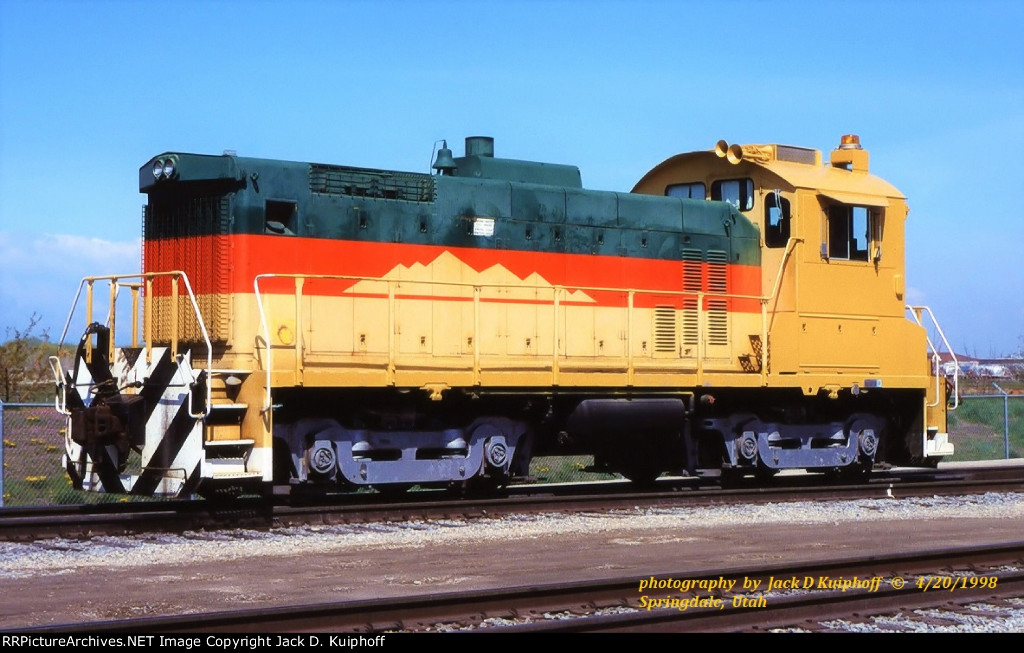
[
  {"x": 531, "y": 605},
  {"x": 257, "y": 513}
]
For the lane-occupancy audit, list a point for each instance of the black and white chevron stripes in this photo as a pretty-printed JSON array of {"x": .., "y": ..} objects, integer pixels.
[{"x": 171, "y": 453}]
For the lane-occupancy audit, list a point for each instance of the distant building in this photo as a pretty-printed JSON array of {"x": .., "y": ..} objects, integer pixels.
[{"x": 983, "y": 368}]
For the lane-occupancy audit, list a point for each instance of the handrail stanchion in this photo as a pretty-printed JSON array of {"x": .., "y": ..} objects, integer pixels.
[
  {"x": 554, "y": 340},
  {"x": 918, "y": 313},
  {"x": 60, "y": 395},
  {"x": 174, "y": 316},
  {"x": 300, "y": 346},
  {"x": 112, "y": 319},
  {"x": 764, "y": 343},
  {"x": 392, "y": 318},
  {"x": 629, "y": 337},
  {"x": 776, "y": 289},
  {"x": 268, "y": 361},
  {"x": 135, "y": 313},
  {"x": 700, "y": 337},
  {"x": 147, "y": 319},
  {"x": 477, "y": 374},
  {"x": 88, "y": 320}
]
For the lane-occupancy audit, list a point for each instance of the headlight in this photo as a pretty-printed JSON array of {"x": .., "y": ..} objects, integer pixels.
[{"x": 165, "y": 168}]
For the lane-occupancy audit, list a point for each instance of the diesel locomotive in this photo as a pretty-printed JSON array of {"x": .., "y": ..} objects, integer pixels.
[{"x": 740, "y": 312}]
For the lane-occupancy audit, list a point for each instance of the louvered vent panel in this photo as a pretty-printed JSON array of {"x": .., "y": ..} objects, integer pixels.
[
  {"x": 693, "y": 268},
  {"x": 665, "y": 329},
  {"x": 718, "y": 317}
]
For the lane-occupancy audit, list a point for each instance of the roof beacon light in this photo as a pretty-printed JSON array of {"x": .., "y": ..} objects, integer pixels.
[{"x": 849, "y": 142}]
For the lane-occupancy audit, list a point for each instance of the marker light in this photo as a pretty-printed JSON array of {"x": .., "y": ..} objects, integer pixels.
[{"x": 849, "y": 142}]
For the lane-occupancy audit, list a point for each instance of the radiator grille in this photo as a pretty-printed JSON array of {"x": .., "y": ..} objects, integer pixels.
[
  {"x": 795, "y": 154},
  {"x": 186, "y": 216},
  {"x": 188, "y": 234},
  {"x": 361, "y": 182}
]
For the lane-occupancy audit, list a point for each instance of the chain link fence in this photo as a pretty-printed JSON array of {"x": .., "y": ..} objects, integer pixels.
[
  {"x": 33, "y": 441},
  {"x": 988, "y": 427},
  {"x": 984, "y": 427}
]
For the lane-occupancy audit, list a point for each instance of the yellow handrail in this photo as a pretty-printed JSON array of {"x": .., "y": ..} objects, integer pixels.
[
  {"x": 477, "y": 290},
  {"x": 117, "y": 281},
  {"x": 917, "y": 312}
]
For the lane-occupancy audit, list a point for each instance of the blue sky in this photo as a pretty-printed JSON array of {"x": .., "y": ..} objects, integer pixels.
[{"x": 90, "y": 90}]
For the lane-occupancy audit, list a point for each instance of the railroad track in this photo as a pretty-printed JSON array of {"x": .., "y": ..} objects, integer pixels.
[
  {"x": 18, "y": 524},
  {"x": 807, "y": 596}
]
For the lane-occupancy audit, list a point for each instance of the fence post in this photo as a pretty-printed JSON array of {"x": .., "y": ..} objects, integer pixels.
[
  {"x": 2, "y": 445},
  {"x": 1006, "y": 419}
]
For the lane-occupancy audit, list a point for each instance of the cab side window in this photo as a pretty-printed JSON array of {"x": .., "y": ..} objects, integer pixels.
[
  {"x": 850, "y": 232},
  {"x": 694, "y": 190},
  {"x": 776, "y": 220},
  {"x": 738, "y": 192}
]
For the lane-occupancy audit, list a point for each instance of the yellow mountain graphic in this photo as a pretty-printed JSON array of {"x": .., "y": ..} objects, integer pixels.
[{"x": 448, "y": 277}]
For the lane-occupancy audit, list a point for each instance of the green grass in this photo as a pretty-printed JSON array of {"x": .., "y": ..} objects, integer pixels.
[
  {"x": 565, "y": 469},
  {"x": 33, "y": 443},
  {"x": 976, "y": 428},
  {"x": 41, "y": 490}
]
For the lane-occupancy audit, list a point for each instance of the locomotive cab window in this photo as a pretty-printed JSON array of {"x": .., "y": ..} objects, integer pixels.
[
  {"x": 738, "y": 192},
  {"x": 776, "y": 220},
  {"x": 696, "y": 190},
  {"x": 281, "y": 218},
  {"x": 851, "y": 230}
]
